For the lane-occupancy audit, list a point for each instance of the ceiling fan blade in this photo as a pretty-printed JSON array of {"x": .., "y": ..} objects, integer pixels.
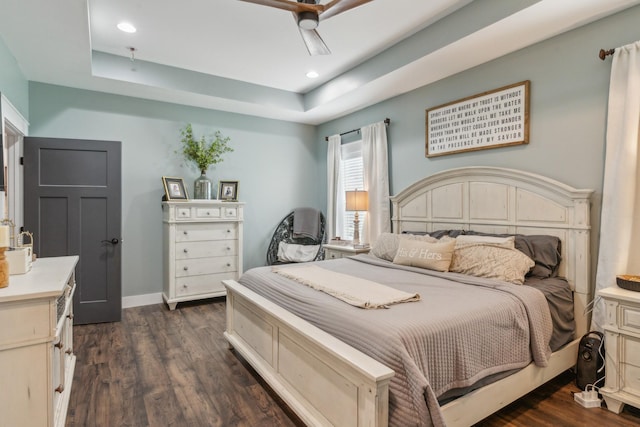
[
  {"x": 291, "y": 6},
  {"x": 313, "y": 41},
  {"x": 335, "y": 7}
]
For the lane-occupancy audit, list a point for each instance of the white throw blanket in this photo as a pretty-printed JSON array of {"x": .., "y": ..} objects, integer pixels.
[{"x": 350, "y": 289}]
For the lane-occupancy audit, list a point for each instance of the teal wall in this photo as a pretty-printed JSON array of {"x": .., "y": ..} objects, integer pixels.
[
  {"x": 274, "y": 161},
  {"x": 569, "y": 91},
  {"x": 13, "y": 85},
  {"x": 282, "y": 165}
]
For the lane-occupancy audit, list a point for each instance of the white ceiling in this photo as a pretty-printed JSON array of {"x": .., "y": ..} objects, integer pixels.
[{"x": 241, "y": 57}]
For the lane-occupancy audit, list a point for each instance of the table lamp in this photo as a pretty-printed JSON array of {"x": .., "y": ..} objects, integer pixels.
[
  {"x": 357, "y": 201},
  {"x": 4, "y": 264}
]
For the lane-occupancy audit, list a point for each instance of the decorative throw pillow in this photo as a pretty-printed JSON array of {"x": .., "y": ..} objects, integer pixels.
[
  {"x": 493, "y": 262},
  {"x": 289, "y": 252},
  {"x": 433, "y": 256},
  {"x": 386, "y": 244},
  {"x": 503, "y": 242}
]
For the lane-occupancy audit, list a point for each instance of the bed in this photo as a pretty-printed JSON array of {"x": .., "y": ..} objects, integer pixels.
[{"x": 328, "y": 382}]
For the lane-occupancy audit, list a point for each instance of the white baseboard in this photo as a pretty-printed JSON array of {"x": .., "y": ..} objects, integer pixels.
[{"x": 139, "y": 300}]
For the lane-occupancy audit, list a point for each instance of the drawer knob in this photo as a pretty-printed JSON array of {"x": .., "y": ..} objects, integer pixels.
[
  {"x": 69, "y": 351},
  {"x": 185, "y": 268},
  {"x": 186, "y": 250},
  {"x": 228, "y": 248},
  {"x": 70, "y": 316},
  {"x": 58, "y": 344},
  {"x": 184, "y": 286},
  {"x": 185, "y": 232},
  {"x": 208, "y": 213},
  {"x": 60, "y": 388},
  {"x": 228, "y": 231},
  {"x": 228, "y": 265}
]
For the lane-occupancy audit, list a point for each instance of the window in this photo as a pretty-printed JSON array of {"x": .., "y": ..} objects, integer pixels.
[{"x": 353, "y": 179}]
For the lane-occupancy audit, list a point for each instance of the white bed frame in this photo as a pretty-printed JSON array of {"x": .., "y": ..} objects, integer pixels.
[{"x": 326, "y": 382}]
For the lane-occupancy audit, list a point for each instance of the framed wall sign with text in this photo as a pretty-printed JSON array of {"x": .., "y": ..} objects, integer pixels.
[{"x": 496, "y": 118}]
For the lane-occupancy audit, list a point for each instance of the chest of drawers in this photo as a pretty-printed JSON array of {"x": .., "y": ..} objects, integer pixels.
[
  {"x": 622, "y": 345},
  {"x": 36, "y": 344},
  {"x": 202, "y": 247}
]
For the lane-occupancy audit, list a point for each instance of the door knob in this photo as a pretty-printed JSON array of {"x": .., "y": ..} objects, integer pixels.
[{"x": 113, "y": 241}]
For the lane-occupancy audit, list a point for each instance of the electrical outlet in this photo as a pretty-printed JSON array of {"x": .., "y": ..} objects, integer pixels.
[{"x": 588, "y": 399}]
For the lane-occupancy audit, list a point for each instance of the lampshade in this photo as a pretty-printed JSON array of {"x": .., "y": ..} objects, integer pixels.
[{"x": 357, "y": 200}]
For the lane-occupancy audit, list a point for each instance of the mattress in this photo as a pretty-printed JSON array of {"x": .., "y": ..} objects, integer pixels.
[{"x": 463, "y": 329}]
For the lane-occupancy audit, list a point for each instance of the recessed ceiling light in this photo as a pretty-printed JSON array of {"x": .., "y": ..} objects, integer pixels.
[
  {"x": 312, "y": 74},
  {"x": 126, "y": 27}
]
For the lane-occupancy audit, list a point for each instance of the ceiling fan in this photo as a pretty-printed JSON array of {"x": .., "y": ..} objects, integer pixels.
[{"x": 308, "y": 13}]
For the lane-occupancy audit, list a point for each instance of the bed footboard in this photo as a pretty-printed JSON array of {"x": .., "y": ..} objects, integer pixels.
[{"x": 323, "y": 380}]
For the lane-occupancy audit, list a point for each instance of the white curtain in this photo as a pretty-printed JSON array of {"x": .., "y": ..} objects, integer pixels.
[
  {"x": 376, "y": 181},
  {"x": 619, "y": 251},
  {"x": 335, "y": 198}
]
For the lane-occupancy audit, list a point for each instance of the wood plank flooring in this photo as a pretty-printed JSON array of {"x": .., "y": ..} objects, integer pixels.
[{"x": 173, "y": 368}]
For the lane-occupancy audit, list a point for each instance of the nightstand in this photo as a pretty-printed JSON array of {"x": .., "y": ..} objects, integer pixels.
[
  {"x": 341, "y": 251},
  {"x": 622, "y": 348}
]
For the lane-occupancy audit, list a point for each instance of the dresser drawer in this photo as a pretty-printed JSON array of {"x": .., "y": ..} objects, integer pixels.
[
  {"x": 630, "y": 379},
  {"x": 183, "y": 213},
  {"x": 629, "y": 318},
  {"x": 208, "y": 212},
  {"x": 190, "y": 250},
  {"x": 231, "y": 212},
  {"x": 23, "y": 322},
  {"x": 329, "y": 254},
  {"x": 198, "y": 266},
  {"x": 212, "y": 231},
  {"x": 631, "y": 350},
  {"x": 202, "y": 284}
]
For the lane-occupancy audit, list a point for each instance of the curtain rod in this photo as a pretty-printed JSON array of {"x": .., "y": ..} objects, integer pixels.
[
  {"x": 604, "y": 53},
  {"x": 386, "y": 122}
]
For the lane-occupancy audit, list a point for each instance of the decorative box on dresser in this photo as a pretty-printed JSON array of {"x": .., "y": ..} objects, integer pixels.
[
  {"x": 622, "y": 344},
  {"x": 36, "y": 344},
  {"x": 202, "y": 247},
  {"x": 341, "y": 251}
]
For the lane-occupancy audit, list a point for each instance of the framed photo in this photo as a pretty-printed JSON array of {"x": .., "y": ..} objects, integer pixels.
[
  {"x": 228, "y": 190},
  {"x": 174, "y": 188}
]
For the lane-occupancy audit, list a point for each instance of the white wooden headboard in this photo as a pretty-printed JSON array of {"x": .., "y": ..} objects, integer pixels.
[{"x": 498, "y": 200}]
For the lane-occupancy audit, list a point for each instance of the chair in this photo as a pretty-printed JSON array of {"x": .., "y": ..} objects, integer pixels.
[{"x": 284, "y": 233}]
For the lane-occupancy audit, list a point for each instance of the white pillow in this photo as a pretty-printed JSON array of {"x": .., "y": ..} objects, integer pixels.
[{"x": 289, "y": 252}]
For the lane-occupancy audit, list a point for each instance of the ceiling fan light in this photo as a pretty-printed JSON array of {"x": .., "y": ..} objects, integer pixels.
[{"x": 307, "y": 20}]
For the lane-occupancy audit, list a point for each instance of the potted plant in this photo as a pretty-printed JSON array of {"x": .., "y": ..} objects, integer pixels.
[{"x": 203, "y": 154}]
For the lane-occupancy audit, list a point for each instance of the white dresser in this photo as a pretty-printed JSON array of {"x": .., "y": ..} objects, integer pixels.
[
  {"x": 622, "y": 345},
  {"x": 36, "y": 344},
  {"x": 202, "y": 247}
]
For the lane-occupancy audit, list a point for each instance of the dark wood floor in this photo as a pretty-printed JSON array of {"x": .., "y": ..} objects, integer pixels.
[{"x": 173, "y": 368}]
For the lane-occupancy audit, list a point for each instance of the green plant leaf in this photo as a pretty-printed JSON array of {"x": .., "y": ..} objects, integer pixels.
[{"x": 201, "y": 152}]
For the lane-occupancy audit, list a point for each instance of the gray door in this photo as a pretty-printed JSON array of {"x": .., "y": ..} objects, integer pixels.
[{"x": 72, "y": 205}]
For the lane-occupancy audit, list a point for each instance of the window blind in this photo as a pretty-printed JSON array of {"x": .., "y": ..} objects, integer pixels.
[{"x": 353, "y": 179}]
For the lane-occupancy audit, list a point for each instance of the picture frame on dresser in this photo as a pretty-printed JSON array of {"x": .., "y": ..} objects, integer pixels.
[
  {"x": 228, "y": 190},
  {"x": 174, "y": 188}
]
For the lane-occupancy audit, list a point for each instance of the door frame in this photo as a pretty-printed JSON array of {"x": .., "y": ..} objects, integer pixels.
[{"x": 14, "y": 128}]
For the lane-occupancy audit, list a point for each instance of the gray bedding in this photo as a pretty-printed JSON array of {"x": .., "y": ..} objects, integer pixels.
[{"x": 462, "y": 330}]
